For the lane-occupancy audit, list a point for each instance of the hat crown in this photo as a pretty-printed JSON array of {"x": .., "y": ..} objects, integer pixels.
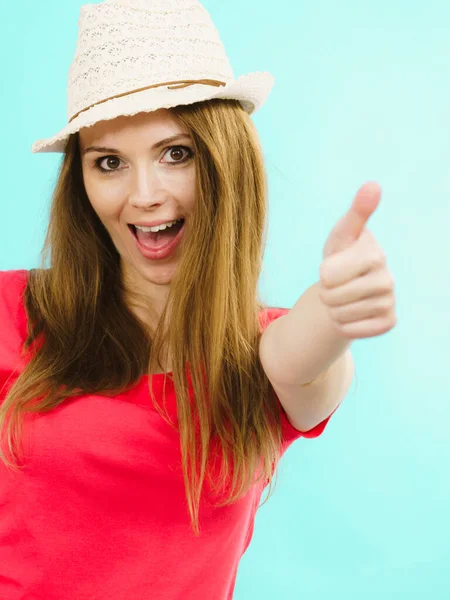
[{"x": 127, "y": 45}]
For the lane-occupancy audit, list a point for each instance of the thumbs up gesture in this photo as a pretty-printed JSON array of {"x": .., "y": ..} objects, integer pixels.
[{"x": 356, "y": 285}]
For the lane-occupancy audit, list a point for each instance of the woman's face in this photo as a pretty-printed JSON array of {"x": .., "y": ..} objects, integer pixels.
[{"x": 142, "y": 183}]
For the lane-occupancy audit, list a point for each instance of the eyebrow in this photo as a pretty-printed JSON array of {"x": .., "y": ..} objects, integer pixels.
[{"x": 157, "y": 145}]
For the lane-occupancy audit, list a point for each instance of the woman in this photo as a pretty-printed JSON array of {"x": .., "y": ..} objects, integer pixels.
[{"x": 141, "y": 427}]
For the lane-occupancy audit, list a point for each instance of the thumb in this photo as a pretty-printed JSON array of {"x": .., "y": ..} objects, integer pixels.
[{"x": 348, "y": 229}]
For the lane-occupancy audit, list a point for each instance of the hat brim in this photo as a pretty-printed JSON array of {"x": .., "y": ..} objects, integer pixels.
[{"x": 251, "y": 90}]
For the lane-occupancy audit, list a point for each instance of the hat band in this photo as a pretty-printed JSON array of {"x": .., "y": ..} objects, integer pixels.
[{"x": 173, "y": 85}]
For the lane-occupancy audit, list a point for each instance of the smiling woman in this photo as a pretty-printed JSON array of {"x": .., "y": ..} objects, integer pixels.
[
  {"x": 172, "y": 464},
  {"x": 143, "y": 180},
  {"x": 91, "y": 317}
]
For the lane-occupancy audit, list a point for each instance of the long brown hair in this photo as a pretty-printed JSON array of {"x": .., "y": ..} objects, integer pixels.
[{"x": 93, "y": 344}]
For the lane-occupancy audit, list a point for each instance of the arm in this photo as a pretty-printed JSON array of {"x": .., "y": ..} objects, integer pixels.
[
  {"x": 354, "y": 299},
  {"x": 301, "y": 345},
  {"x": 307, "y": 361}
]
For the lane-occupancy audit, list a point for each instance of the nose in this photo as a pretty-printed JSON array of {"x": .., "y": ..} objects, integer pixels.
[{"x": 147, "y": 188}]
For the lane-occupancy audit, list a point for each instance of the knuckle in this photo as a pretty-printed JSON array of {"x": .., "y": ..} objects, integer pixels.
[
  {"x": 326, "y": 275},
  {"x": 390, "y": 323},
  {"x": 336, "y": 314},
  {"x": 389, "y": 282},
  {"x": 386, "y": 303},
  {"x": 378, "y": 259}
]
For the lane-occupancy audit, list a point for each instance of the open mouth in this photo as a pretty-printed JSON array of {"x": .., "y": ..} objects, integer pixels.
[
  {"x": 169, "y": 232},
  {"x": 159, "y": 244}
]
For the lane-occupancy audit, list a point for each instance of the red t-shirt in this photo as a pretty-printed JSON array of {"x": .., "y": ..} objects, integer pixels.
[{"x": 99, "y": 512}]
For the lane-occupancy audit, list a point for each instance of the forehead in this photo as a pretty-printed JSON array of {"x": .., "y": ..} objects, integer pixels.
[{"x": 150, "y": 126}]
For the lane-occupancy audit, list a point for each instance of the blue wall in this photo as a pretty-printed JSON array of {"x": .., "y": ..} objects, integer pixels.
[{"x": 362, "y": 93}]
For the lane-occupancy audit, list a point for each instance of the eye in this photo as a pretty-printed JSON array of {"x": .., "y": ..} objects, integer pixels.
[
  {"x": 99, "y": 162},
  {"x": 175, "y": 150}
]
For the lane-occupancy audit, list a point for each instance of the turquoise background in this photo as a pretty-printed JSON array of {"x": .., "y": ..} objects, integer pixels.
[{"x": 362, "y": 93}]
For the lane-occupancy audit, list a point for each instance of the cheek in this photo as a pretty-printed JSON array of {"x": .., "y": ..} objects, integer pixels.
[
  {"x": 105, "y": 200},
  {"x": 181, "y": 186}
]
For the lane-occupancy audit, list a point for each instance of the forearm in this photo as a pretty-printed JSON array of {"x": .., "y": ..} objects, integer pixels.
[{"x": 303, "y": 344}]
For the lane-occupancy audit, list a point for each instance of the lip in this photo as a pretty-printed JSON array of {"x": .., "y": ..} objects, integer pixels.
[{"x": 155, "y": 223}]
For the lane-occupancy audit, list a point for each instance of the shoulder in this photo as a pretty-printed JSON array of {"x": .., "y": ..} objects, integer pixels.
[
  {"x": 12, "y": 285},
  {"x": 269, "y": 314},
  {"x": 13, "y": 329}
]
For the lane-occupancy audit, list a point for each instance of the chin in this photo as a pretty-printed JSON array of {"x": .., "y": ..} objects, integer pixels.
[{"x": 158, "y": 273}]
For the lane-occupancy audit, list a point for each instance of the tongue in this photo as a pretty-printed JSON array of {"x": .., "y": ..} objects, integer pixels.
[{"x": 156, "y": 241}]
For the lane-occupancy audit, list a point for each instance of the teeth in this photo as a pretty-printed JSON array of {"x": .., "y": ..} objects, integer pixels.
[{"x": 158, "y": 227}]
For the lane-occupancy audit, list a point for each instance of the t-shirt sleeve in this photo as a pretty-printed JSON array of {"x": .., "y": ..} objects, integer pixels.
[
  {"x": 13, "y": 329},
  {"x": 289, "y": 432}
]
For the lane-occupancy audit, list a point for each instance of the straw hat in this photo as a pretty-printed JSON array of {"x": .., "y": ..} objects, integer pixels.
[{"x": 141, "y": 55}]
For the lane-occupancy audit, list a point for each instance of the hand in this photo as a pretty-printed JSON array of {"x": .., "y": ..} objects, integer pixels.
[{"x": 356, "y": 285}]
